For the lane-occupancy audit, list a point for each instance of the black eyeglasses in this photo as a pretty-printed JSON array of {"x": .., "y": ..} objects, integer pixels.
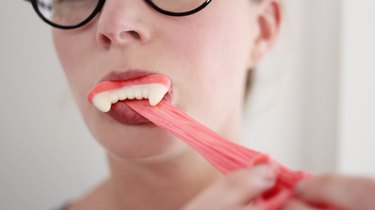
[{"x": 70, "y": 14}]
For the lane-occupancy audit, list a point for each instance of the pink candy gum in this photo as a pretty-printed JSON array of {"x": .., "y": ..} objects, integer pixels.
[
  {"x": 221, "y": 153},
  {"x": 112, "y": 84}
]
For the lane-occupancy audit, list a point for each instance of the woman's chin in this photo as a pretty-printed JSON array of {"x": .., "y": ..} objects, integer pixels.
[
  {"x": 147, "y": 150},
  {"x": 145, "y": 142},
  {"x": 171, "y": 153}
]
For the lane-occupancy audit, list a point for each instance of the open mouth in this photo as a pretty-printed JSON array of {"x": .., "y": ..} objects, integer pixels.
[{"x": 108, "y": 96}]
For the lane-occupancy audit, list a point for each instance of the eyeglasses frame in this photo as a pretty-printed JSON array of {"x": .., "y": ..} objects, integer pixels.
[{"x": 100, "y": 5}]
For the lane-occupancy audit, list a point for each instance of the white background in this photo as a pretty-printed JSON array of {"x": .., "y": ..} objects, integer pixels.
[{"x": 312, "y": 107}]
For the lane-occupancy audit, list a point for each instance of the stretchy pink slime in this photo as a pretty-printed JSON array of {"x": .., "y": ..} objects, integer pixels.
[
  {"x": 223, "y": 154},
  {"x": 111, "y": 85}
]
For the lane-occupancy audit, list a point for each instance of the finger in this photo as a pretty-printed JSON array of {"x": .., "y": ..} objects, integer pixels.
[
  {"x": 248, "y": 208},
  {"x": 236, "y": 189},
  {"x": 297, "y": 205},
  {"x": 352, "y": 193}
]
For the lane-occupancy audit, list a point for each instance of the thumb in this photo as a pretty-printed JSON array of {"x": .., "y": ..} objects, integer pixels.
[{"x": 353, "y": 193}]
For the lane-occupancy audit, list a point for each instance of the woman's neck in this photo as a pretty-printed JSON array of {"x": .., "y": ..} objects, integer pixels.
[
  {"x": 166, "y": 184},
  {"x": 160, "y": 184}
]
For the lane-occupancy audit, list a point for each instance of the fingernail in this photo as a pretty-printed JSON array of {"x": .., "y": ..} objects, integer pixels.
[{"x": 267, "y": 172}]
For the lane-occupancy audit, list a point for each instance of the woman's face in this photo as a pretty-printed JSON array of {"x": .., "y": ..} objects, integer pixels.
[{"x": 206, "y": 56}]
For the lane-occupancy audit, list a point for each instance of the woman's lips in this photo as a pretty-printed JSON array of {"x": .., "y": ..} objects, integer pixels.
[
  {"x": 125, "y": 75},
  {"x": 109, "y": 95}
]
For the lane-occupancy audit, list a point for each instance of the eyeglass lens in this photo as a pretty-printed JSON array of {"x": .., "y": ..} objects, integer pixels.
[{"x": 66, "y": 12}]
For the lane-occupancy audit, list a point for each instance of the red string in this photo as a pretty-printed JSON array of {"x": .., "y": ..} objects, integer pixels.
[{"x": 223, "y": 154}]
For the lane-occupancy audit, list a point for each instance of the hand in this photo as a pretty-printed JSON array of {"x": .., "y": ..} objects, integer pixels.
[
  {"x": 235, "y": 191},
  {"x": 343, "y": 192}
]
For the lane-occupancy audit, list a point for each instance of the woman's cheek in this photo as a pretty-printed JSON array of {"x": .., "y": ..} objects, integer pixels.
[{"x": 75, "y": 58}]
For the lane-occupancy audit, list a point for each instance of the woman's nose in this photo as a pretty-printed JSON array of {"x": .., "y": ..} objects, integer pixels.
[{"x": 121, "y": 23}]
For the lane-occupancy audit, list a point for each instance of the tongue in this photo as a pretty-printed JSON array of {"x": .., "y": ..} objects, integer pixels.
[{"x": 124, "y": 114}]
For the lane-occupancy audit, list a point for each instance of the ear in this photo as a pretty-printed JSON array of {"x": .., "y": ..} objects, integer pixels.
[{"x": 268, "y": 23}]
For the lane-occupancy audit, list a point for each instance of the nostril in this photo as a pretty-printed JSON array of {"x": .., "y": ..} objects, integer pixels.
[
  {"x": 107, "y": 39},
  {"x": 124, "y": 35},
  {"x": 104, "y": 40}
]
